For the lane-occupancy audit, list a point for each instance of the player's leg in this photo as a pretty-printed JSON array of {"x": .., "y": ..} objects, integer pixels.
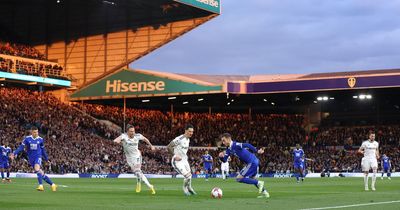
[
  {"x": 365, "y": 168},
  {"x": 7, "y": 169},
  {"x": 133, "y": 163},
  {"x": 297, "y": 173},
  {"x": 42, "y": 176},
  {"x": 383, "y": 172},
  {"x": 389, "y": 174},
  {"x": 296, "y": 167},
  {"x": 180, "y": 168},
  {"x": 301, "y": 172},
  {"x": 247, "y": 172},
  {"x": 206, "y": 173},
  {"x": 39, "y": 175},
  {"x": 209, "y": 173},
  {"x": 223, "y": 172},
  {"x": 138, "y": 172},
  {"x": 188, "y": 171},
  {"x": 2, "y": 172},
  {"x": 374, "y": 166}
]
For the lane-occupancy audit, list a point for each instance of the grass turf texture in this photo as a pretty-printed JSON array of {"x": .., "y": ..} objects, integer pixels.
[{"x": 120, "y": 194}]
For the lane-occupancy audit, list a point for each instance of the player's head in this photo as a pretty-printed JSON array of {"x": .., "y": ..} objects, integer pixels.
[
  {"x": 384, "y": 155},
  {"x": 371, "y": 136},
  {"x": 34, "y": 131},
  {"x": 130, "y": 131},
  {"x": 298, "y": 146},
  {"x": 206, "y": 152},
  {"x": 189, "y": 129},
  {"x": 226, "y": 139}
]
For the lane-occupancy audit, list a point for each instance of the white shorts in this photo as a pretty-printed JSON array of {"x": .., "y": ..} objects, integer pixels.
[
  {"x": 367, "y": 164},
  {"x": 134, "y": 161},
  {"x": 182, "y": 166},
  {"x": 224, "y": 167}
]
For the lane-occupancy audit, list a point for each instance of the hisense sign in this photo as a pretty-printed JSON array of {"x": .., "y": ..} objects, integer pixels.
[
  {"x": 131, "y": 83},
  {"x": 117, "y": 86},
  {"x": 209, "y": 5}
]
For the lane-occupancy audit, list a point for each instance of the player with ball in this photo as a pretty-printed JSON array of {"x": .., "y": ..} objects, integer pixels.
[{"x": 245, "y": 153}]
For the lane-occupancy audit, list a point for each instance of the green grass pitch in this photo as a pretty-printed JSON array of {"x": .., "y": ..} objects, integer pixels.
[{"x": 120, "y": 194}]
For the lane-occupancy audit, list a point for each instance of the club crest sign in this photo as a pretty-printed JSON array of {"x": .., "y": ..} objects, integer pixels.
[{"x": 351, "y": 82}]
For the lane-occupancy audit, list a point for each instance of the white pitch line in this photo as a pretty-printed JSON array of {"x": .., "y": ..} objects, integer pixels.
[{"x": 355, "y": 205}]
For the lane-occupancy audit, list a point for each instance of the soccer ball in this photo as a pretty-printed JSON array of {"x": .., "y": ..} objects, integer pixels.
[{"x": 216, "y": 192}]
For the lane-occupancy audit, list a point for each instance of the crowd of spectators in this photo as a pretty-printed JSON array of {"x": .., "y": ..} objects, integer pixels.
[
  {"x": 20, "y": 50},
  {"x": 28, "y": 67},
  {"x": 77, "y": 142}
]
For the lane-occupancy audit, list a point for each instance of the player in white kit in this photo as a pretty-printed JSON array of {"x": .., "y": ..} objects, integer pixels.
[
  {"x": 225, "y": 168},
  {"x": 178, "y": 148},
  {"x": 130, "y": 142},
  {"x": 370, "y": 149}
]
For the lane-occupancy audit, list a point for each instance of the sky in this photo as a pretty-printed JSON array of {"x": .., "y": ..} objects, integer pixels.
[{"x": 253, "y": 37}]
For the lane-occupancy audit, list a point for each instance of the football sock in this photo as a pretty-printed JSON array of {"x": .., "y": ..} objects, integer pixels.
[
  {"x": 366, "y": 180},
  {"x": 144, "y": 179},
  {"x": 47, "y": 179},
  {"x": 39, "y": 177}
]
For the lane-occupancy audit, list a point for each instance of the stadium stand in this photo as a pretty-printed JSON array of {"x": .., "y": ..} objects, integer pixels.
[
  {"x": 23, "y": 59},
  {"x": 79, "y": 143}
]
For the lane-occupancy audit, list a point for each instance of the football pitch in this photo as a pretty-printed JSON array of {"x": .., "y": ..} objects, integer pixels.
[{"x": 318, "y": 193}]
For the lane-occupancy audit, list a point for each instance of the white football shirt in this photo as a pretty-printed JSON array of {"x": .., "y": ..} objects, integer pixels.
[
  {"x": 181, "y": 146},
  {"x": 370, "y": 149},
  {"x": 131, "y": 145}
]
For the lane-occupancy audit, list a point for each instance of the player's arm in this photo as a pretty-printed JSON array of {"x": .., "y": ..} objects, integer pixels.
[
  {"x": 250, "y": 147},
  {"x": 19, "y": 149},
  {"x": 361, "y": 149},
  {"x": 377, "y": 152},
  {"x": 224, "y": 155},
  {"x": 148, "y": 142},
  {"x": 44, "y": 152},
  {"x": 170, "y": 147},
  {"x": 118, "y": 139}
]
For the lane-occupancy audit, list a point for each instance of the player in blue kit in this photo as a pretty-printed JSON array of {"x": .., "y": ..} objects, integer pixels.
[
  {"x": 245, "y": 153},
  {"x": 207, "y": 164},
  {"x": 386, "y": 166},
  {"x": 4, "y": 162},
  {"x": 34, "y": 145},
  {"x": 298, "y": 163}
]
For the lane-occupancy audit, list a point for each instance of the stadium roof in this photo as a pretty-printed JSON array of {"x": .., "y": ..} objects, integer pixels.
[{"x": 91, "y": 38}]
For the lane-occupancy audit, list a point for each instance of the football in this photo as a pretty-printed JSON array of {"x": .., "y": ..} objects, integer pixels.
[{"x": 216, "y": 192}]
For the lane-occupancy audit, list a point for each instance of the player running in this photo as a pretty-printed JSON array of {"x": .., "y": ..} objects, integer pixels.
[
  {"x": 207, "y": 164},
  {"x": 34, "y": 145},
  {"x": 4, "y": 162},
  {"x": 298, "y": 163},
  {"x": 178, "y": 148},
  {"x": 130, "y": 143},
  {"x": 386, "y": 164},
  {"x": 244, "y": 152},
  {"x": 370, "y": 149}
]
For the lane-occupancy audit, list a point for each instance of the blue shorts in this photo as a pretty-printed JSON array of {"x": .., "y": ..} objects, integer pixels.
[
  {"x": 386, "y": 169},
  {"x": 4, "y": 165},
  {"x": 35, "y": 161},
  {"x": 298, "y": 165},
  {"x": 251, "y": 169},
  {"x": 208, "y": 168}
]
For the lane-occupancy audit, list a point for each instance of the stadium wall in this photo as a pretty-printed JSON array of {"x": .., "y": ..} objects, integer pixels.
[{"x": 269, "y": 175}]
